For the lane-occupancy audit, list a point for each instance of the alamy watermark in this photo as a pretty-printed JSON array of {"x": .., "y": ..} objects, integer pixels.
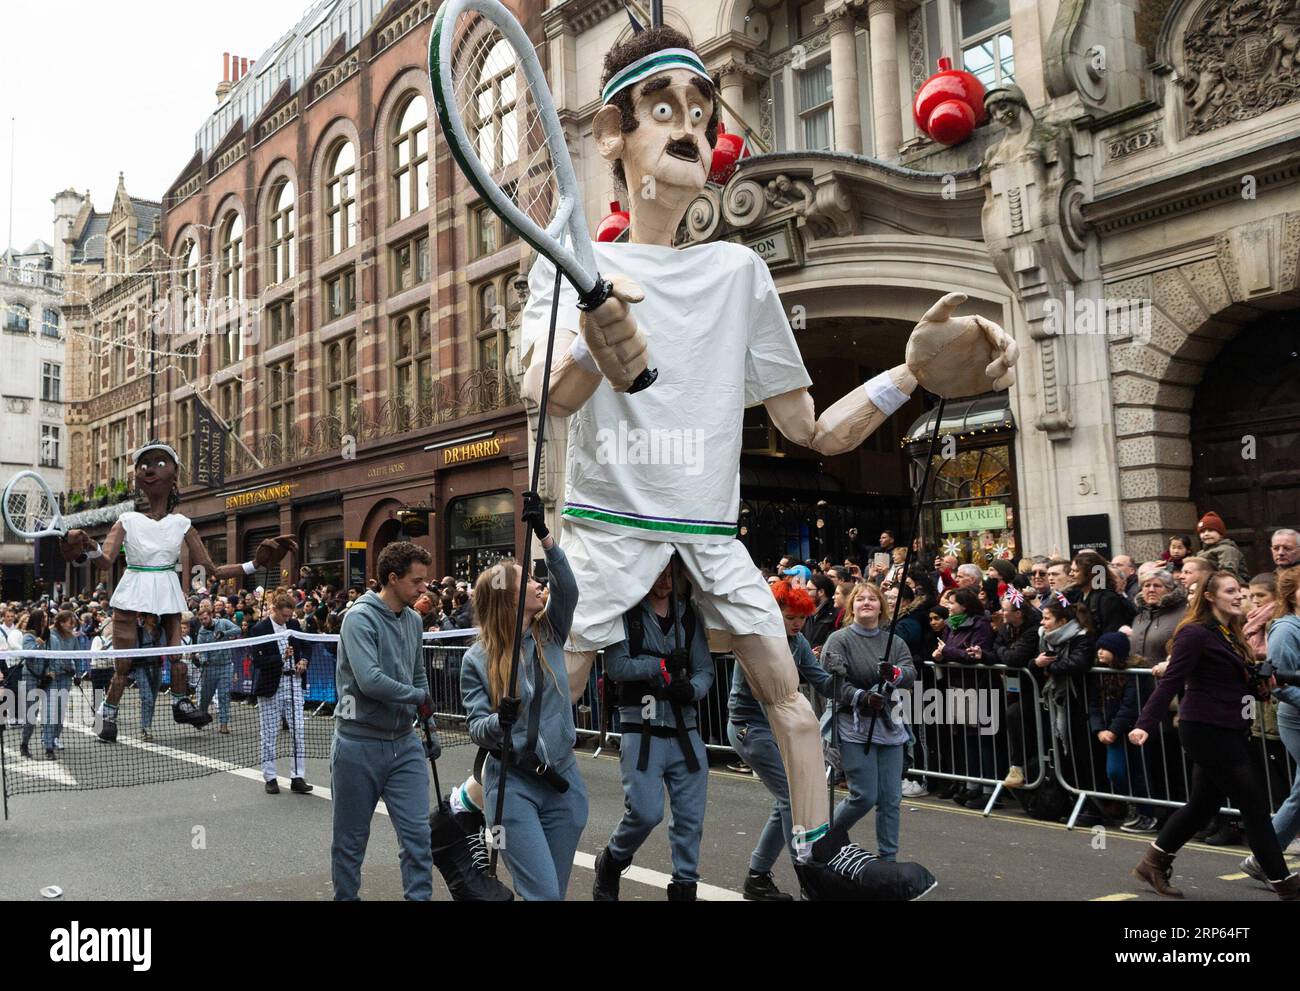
[
  {"x": 1108, "y": 316},
  {"x": 652, "y": 446}
]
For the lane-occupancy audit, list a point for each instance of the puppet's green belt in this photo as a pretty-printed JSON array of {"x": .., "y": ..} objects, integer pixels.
[{"x": 145, "y": 567}]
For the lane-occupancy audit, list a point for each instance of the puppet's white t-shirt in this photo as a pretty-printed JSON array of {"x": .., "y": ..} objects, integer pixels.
[{"x": 664, "y": 464}]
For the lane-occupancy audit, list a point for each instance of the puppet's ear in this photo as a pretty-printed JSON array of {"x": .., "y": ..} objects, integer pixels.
[{"x": 607, "y": 128}]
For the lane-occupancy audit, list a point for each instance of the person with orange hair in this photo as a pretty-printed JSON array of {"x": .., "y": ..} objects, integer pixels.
[{"x": 751, "y": 734}]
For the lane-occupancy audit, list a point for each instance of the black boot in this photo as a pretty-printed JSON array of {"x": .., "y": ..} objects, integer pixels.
[
  {"x": 108, "y": 729},
  {"x": 461, "y": 858},
  {"x": 185, "y": 711},
  {"x": 608, "y": 872},
  {"x": 840, "y": 871},
  {"x": 762, "y": 888},
  {"x": 681, "y": 891}
]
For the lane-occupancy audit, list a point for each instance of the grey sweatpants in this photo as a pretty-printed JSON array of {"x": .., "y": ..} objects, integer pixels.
[
  {"x": 643, "y": 801},
  {"x": 539, "y": 830},
  {"x": 361, "y": 773}
]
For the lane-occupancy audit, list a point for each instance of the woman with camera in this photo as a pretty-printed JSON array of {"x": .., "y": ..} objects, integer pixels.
[{"x": 1211, "y": 664}]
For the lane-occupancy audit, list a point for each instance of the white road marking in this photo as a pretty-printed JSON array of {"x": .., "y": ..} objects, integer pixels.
[{"x": 641, "y": 875}]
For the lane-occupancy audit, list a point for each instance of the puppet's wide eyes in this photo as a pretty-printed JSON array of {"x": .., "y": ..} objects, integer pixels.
[
  {"x": 697, "y": 114},
  {"x": 662, "y": 111}
]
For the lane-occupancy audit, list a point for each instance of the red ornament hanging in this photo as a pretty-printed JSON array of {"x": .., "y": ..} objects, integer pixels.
[
  {"x": 727, "y": 153},
  {"x": 614, "y": 224},
  {"x": 949, "y": 105}
]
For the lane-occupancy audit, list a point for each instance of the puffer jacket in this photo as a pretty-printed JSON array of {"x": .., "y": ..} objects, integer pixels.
[
  {"x": 1153, "y": 626},
  {"x": 1227, "y": 556}
]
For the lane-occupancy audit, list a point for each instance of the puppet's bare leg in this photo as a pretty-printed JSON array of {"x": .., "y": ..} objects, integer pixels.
[
  {"x": 772, "y": 677},
  {"x": 125, "y": 637},
  {"x": 183, "y": 709},
  {"x": 578, "y": 663},
  {"x": 180, "y": 670}
]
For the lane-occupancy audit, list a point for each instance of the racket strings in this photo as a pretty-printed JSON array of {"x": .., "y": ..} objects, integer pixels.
[
  {"x": 29, "y": 506},
  {"x": 501, "y": 117}
]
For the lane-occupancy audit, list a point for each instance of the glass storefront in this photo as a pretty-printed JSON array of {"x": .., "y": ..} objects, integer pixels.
[
  {"x": 971, "y": 512},
  {"x": 480, "y": 532},
  {"x": 323, "y": 551}
]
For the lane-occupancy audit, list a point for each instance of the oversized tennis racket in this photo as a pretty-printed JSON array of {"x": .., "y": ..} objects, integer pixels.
[
  {"x": 501, "y": 126},
  {"x": 30, "y": 508}
]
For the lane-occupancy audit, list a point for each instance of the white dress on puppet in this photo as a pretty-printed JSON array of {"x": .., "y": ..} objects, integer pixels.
[{"x": 155, "y": 545}]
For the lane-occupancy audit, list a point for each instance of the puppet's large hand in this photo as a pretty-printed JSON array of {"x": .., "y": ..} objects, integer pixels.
[
  {"x": 960, "y": 356},
  {"x": 273, "y": 549},
  {"x": 74, "y": 544},
  {"x": 613, "y": 337}
]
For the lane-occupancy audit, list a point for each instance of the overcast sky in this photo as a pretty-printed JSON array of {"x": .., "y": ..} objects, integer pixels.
[{"x": 97, "y": 87}]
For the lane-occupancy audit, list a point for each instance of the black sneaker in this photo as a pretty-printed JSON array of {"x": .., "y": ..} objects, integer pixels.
[
  {"x": 461, "y": 857},
  {"x": 850, "y": 873},
  {"x": 681, "y": 891},
  {"x": 1140, "y": 824},
  {"x": 608, "y": 871},
  {"x": 185, "y": 711},
  {"x": 273, "y": 787},
  {"x": 945, "y": 790},
  {"x": 762, "y": 888},
  {"x": 108, "y": 730},
  {"x": 300, "y": 786},
  {"x": 49, "y": 753},
  {"x": 26, "y": 751}
]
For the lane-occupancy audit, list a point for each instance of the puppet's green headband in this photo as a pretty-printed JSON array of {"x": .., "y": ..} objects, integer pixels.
[{"x": 655, "y": 62}]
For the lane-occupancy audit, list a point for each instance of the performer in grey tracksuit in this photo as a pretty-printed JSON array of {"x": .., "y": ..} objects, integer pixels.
[
  {"x": 382, "y": 690},
  {"x": 656, "y": 685},
  {"x": 546, "y": 800},
  {"x": 751, "y": 735}
]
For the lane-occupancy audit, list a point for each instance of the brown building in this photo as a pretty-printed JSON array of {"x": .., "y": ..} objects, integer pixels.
[{"x": 336, "y": 298}]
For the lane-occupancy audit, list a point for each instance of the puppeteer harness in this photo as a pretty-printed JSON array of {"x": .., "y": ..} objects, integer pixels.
[{"x": 632, "y": 694}]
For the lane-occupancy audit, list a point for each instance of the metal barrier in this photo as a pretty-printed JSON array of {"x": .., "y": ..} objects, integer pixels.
[
  {"x": 1157, "y": 774},
  {"x": 981, "y": 729}
]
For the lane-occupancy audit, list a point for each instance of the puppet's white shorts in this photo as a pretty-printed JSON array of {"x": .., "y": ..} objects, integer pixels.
[{"x": 615, "y": 571}]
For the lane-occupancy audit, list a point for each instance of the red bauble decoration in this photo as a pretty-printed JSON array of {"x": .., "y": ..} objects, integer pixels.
[
  {"x": 614, "y": 224},
  {"x": 949, "y": 105},
  {"x": 728, "y": 151}
]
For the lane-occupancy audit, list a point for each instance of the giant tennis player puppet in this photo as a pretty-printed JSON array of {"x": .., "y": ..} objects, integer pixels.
[
  {"x": 153, "y": 543},
  {"x": 721, "y": 342}
]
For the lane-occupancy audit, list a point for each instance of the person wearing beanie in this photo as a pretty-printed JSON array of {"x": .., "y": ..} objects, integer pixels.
[
  {"x": 1112, "y": 712},
  {"x": 1219, "y": 550}
]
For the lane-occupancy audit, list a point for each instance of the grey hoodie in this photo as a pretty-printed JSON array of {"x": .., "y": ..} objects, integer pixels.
[{"x": 380, "y": 671}]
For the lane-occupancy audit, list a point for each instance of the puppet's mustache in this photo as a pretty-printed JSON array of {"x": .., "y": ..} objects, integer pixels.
[{"x": 684, "y": 148}]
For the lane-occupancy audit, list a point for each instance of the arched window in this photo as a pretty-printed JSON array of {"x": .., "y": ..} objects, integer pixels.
[
  {"x": 491, "y": 321},
  {"x": 280, "y": 228},
  {"x": 411, "y": 160},
  {"x": 232, "y": 258},
  {"x": 190, "y": 285},
  {"x": 496, "y": 121},
  {"x": 18, "y": 318},
  {"x": 341, "y": 197},
  {"x": 341, "y": 382}
]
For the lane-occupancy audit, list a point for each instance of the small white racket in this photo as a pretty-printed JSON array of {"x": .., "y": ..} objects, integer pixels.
[
  {"x": 502, "y": 129},
  {"x": 30, "y": 509}
]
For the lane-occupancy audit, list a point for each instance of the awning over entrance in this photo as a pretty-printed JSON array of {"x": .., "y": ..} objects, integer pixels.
[
  {"x": 803, "y": 478},
  {"x": 983, "y": 414}
]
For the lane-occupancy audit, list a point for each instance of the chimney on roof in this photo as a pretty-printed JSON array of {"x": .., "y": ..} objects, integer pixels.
[
  {"x": 243, "y": 67},
  {"x": 223, "y": 87}
]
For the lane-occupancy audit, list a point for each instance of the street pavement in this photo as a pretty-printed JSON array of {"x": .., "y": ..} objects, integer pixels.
[{"x": 220, "y": 837}]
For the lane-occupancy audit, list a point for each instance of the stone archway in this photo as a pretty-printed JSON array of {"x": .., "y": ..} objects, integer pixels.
[
  {"x": 1246, "y": 455},
  {"x": 1195, "y": 308}
]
